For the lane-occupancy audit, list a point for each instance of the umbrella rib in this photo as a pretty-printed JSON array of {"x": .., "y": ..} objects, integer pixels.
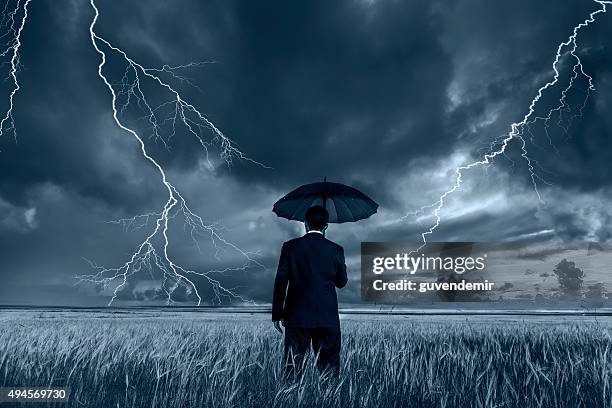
[
  {"x": 300, "y": 206},
  {"x": 333, "y": 204},
  {"x": 350, "y": 210},
  {"x": 292, "y": 208},
  {"x": 355, "y": 208},
  {"x": 360, "y": 205},
  {"x": 364, "y": 207}
]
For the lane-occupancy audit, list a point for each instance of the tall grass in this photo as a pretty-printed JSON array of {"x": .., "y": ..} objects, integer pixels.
[{"x": 131, "y": 363}]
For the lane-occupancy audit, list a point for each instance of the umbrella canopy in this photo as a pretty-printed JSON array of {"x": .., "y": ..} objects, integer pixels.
[{"x": 343, "y": 203}]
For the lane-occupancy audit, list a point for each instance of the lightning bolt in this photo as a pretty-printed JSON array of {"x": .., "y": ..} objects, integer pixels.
[
  {"x": 152, "y": 255},
  {"x": 518, "y": 129},
  {"x": 10, "y": 43}
]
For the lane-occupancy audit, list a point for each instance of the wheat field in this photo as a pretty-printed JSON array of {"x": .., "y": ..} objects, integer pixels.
[{"x": 237, "y": 363}]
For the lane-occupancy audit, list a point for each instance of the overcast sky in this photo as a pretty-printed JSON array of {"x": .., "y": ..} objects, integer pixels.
[{"x": 386, "y": 96}]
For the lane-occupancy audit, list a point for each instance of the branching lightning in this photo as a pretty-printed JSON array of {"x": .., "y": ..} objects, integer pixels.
[
  {"x": 163, "y": 120},
  {"x": 152, "y": 255},
  {"x": 13, "y": 21},
  {"x": 518, "y": 130}
]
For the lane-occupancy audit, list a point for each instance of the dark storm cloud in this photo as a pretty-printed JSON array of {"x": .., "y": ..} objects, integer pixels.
[
  {"x": 320, "y": 89},
  {"x": 356, "y": 90},
  {"x": 378, "y": 94},
  {"x": 61, "y": 138},
  {"x": 507, "y": 62}
]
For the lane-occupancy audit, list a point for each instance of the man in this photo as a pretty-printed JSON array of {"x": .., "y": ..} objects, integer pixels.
[{"x": 312, "y": 266}]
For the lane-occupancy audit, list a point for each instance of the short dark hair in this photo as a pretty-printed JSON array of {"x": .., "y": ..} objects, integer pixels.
[{"x": 316, "y": 217}]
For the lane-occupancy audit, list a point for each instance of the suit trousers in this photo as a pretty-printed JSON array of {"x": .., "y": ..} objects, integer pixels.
[{"x": 326, "y": 342}]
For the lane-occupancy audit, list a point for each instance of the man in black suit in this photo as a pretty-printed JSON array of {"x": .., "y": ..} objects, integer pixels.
[{"x": 313, "y": 267}]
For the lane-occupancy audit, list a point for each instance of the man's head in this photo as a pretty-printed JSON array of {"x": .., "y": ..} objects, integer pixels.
[{"x": 316, "y": 218}]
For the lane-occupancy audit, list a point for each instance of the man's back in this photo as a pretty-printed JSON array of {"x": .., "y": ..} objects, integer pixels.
[{"x": 312, "y": 266}]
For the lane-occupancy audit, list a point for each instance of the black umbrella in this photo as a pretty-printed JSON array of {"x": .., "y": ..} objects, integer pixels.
[{"x": 344, "y": 203}]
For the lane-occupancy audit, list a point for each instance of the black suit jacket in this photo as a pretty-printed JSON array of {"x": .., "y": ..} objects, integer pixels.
[{"x": 313, "y": 267}]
